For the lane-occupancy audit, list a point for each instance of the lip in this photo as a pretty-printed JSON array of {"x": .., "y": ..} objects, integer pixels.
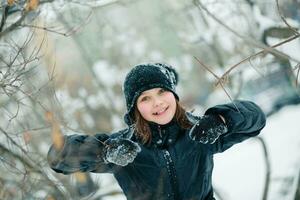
[{"x": 161, "y": 112}]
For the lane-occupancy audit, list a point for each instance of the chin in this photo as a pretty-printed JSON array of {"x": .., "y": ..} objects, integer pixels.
[{"x": 162, "y": 122}]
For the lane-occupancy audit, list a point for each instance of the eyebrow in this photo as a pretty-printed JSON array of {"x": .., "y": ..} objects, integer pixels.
[
  {"x": 146, "y": 93},
  {"x": 142, "y": 95}
]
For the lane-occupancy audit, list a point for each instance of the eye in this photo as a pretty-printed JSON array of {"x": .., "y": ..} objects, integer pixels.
[
  {"x": 161, "y": 91},
  {"x": 144, "y": 98}
]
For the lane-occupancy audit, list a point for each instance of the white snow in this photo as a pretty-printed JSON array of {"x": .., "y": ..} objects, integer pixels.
[
  {"x": 105, "y": 73},
  {"x": 123, "y": 153},
  {"x": 240, "y": 171}
]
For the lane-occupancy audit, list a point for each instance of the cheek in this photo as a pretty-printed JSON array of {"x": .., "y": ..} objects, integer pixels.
[
  {"x": 171, "y": 99},
  {"x": 144, "y": 109}
]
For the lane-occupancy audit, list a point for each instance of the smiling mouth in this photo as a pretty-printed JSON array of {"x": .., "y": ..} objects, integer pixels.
[{"x": 161, "y": 111}]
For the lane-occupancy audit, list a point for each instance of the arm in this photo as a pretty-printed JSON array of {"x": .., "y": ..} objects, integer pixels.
[
  {"x": 79, "y": 153},
  {"x": 244, "y": 119},
  {"x": 100, "y": 153}
]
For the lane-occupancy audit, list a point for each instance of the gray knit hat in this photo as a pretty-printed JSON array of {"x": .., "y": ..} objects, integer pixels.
[{"x": 144, "y": 77}]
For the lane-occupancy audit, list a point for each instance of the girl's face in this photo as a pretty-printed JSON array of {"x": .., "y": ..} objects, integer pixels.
[{"x": 157, "y": 105}]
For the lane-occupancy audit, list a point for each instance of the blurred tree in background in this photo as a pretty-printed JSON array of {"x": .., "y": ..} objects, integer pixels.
[{"x": 62, "y": 64}]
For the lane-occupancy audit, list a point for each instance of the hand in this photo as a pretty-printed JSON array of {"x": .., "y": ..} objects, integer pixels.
[
  {"x": 121, "y": 151},
  {"x": 208, "y": 129}
]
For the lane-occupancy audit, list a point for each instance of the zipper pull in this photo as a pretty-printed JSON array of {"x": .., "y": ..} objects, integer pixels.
[{"x": 159, "y": 131}]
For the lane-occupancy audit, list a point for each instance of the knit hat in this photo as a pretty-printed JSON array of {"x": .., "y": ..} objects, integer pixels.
[{"x": 144, "y": 77}]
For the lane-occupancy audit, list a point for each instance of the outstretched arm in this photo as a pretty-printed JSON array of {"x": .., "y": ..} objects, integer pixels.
[
  {"x": 98, "y": 153},
  {"x": 79, "y": 153},
  {"x": 243, "y": 119}
]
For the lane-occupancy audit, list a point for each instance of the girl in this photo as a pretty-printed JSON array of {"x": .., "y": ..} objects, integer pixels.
[{"x": 165, "y": 153}]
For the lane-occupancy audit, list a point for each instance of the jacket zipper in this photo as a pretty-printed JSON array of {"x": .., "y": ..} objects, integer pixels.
[
  {"x": 171, "y": 171},
  {"x": 159, "y": 132}
]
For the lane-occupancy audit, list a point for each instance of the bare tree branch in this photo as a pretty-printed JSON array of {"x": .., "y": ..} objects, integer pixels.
[
  {"x": 298, "y": 70},
  {"x": 284, "y": 20},
  {"x": 268, "y": 167},
  {"x": 68, "y": 33},
  {"x": 30, "y": 163},
  {"x": 256, "y": 54},
  {"x": 247, "y": 40},
  {"x": 14, "y": 25},
  {"x": 4, "y": 17},
  {"x": 220, "y": 81}
]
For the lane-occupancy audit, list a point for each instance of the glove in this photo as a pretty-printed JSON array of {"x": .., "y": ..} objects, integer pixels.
[
  {"x": 208, "y": 129},
  {"x": 121, "y": 151}
]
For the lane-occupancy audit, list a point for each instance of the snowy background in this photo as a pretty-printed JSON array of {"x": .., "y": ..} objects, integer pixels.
[{"x": 62, "y": 65}]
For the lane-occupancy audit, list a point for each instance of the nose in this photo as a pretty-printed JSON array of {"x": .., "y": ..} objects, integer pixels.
[{"x": 157, "y": 102}]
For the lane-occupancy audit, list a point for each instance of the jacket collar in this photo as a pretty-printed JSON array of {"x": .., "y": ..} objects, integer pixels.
[{"x": 164, "y": 135}]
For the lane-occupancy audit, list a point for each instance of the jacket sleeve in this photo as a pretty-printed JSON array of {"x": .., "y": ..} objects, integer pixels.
[
  {"x": 244, "y": 119},
  {"x": 82, "y": 153}
]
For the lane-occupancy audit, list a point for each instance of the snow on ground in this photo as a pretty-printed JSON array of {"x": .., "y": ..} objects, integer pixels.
[{"x": 239, "y": 172}]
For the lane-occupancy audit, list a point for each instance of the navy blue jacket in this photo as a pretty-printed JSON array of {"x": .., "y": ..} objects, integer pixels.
[{"x": 172, "y": 167}]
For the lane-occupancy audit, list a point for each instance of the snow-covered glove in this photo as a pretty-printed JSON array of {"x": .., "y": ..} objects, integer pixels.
[
  {"x": 208, "y": 129},
  {"x": 121, "y": 151}
]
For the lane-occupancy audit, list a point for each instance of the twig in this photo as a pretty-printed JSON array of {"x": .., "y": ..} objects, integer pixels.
[
  {"x": 43, "y": 28},
  {"x": 14, "y": 25},
  {"x": 12, "y": 165},
  {"x": 34, "y": 129},
  {"x": 95, "y": 5},
  {"x": 85, "y": 56},
  {"x": 247, "y": 40},
  {"x": 268, "y": 167},
  {"x": 240, "y": 85},
  {"x": 284, "y": 20},
  {"x": 217, "y": 77},
  {"x": 254, "y": 67},
  {"x": 265, "y": 48},
  {"x": 256, "y": 54},
  {"x": 4, "y": 17},
  {"x": 15, "y": 115},
  {"x": 67, "y": 33},
  {"x": 207, "y": 68},
  {"x": 298, "y": 66},
  {"x": 30, "y": 163},
  {"x": 76, "y": 29}
]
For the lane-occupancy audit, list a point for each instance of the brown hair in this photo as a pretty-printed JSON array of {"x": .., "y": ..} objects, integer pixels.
[{"x": 142, "y": 129}]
